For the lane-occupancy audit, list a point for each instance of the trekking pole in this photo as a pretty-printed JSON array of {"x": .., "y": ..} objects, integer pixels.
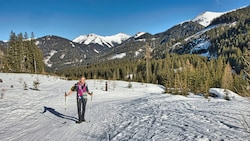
[
  {"x": 91, "y": 104},
  {"x": 65, "y": 101}
]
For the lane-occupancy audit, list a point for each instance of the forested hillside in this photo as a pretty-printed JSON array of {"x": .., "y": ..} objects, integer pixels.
[
  {"x": 185, "y": 58},
  {"x": 180, "y": 74},
  {"x": 175, "y": 65},
  {"x": 22, "y": 55}
]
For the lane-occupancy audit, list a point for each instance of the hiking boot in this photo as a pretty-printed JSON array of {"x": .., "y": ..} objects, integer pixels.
[{"x": 78, "y": 121}]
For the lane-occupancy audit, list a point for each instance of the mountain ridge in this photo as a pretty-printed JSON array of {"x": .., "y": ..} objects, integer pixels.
[
  {"x": 108, "y": 41},
  {"x": 186, "y": 37},
  {"x": 206, "y": 17}
]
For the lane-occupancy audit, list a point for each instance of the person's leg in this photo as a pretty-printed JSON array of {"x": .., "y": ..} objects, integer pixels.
[
  {"x": 84, "y": 108},
  {"x": 79, "y": 103}
]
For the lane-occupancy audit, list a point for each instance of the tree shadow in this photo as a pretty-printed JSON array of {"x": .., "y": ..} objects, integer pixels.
[{"x": 60, "y": 115}]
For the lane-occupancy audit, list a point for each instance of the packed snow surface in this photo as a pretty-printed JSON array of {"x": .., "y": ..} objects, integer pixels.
[{"x": 141, "y": 112}]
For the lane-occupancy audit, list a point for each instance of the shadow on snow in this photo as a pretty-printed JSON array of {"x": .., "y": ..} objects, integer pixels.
[{"x": 56, "y": 113}]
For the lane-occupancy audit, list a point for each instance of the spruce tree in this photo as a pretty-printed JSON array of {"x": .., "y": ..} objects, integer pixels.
[
  {"x": 227, "y": 78},
  {"x": 23, "y": 55}
]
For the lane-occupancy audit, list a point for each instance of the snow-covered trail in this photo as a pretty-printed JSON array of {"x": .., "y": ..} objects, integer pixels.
[
  {"x": 121, "y": 113},
  {"x": 163, "y": 117}
]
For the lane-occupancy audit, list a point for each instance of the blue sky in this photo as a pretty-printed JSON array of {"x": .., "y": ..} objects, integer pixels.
[{"x": 71, "y": 18}]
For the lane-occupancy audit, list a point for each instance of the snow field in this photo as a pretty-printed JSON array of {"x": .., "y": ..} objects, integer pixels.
[{"x": 121, "y": 113}]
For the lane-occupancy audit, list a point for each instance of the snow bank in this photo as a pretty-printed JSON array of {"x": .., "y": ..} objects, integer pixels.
[{"x": 222, "y": 93}]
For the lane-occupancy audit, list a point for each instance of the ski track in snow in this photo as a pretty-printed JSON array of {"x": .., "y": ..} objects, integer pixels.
[
  {"x": 138, "y": 113},
  {"x": 161, "y": 119}
]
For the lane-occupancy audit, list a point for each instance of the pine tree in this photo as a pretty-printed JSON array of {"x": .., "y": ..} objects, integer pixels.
[
  {"x": 1, "y": 60},
  {"x": 227, "y": 78},
  {"x": 23, "y": 55},
  {"x": 11, "y": 53},
  {"x": 190, "y": 75},
  {"x": 148, "y": 56},
  {"x": 20, "y": 52},
  {"x": 246, "y": 59}
]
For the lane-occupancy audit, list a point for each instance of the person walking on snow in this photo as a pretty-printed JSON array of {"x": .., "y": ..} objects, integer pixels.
[{"x": 82, "y": 90}]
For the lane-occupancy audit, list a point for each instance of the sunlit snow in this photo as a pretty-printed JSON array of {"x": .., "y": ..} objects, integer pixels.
[
  {"x": 96, "y": 51},
  {"x": 206, "y": 18},
  {"x": 118, "y": 56},
  {"x": 62, "y": 56},
  {"x": 203, "y": 45},
  {"x": 102, "y": 40},
  {"x": 72, "y": 44},
  {"x": 47, "y": 58},
  {"x": 141, "y": 112},
  {"x": 139, "y": 34}
]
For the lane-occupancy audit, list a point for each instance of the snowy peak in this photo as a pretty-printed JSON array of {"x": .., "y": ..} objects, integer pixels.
[
  {"x": 137, "y": 35},
  {"x": 109, "y": 41},
  {"x": 206, "y": 18},
  {"x": 142, "y": 36}
]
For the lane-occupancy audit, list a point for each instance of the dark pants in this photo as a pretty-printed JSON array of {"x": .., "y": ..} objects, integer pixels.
[{"x": 81, "y": 106}]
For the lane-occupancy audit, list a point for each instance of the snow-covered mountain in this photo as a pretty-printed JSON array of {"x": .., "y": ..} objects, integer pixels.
[
  {"x": 108, "y": 41},
  {"x": 61, "y": 53},
  {"x": 206, "y": 18}
]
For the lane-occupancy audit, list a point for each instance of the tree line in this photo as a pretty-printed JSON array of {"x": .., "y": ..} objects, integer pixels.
[
  {"x": 22, "y": 55},
  {"x": 179, "y": 74}
]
